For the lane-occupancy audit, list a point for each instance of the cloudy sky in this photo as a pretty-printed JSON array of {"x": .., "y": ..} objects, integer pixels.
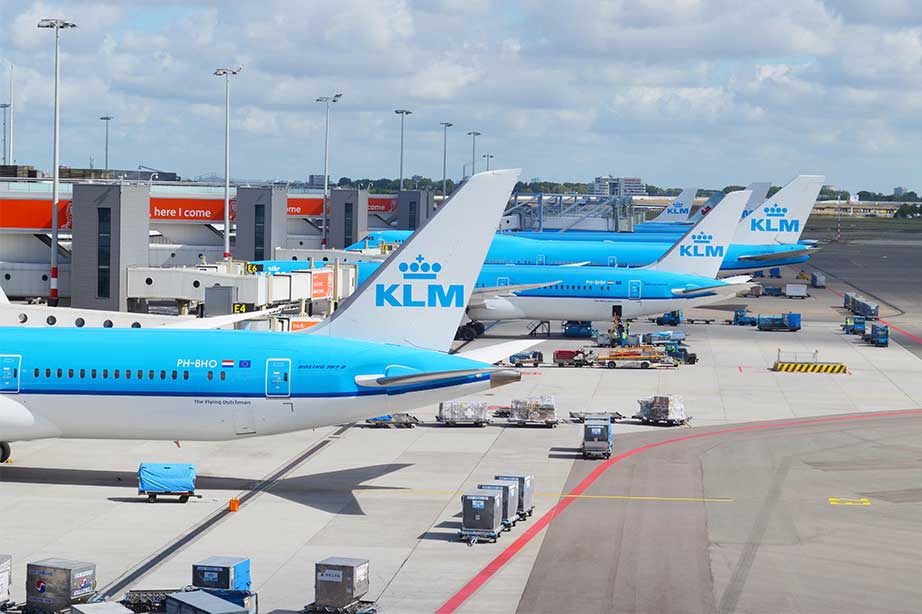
[{"x": 706, "y": 92}]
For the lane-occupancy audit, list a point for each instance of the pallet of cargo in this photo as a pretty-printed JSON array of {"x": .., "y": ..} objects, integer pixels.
[
  {"x": 580, "y": 416},
  {"x": 359, "y": 607},
  {"x": 538, "y": 410},
  {"x": 662, "y": 409},
  {"x": 398, "y": 421},
  {"x": 453, "y": 413}
]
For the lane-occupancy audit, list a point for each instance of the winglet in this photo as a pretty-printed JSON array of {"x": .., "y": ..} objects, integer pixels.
[
  {"x": 781, "y": 218},
  {"x": 418, "y": 296},
  {"x": 701, "y": 250},
  {"x": 679, "y": 209}
]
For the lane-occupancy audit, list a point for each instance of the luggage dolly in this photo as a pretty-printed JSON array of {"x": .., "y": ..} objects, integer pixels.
[
  {"x": 358, "y": 607},
  {"x": 524, "y": 515},
  {"x": 472, "y": 536}
]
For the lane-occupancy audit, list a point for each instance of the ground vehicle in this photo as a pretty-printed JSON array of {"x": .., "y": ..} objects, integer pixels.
[
  {"x": 741, "y": 317},
  {"x": 579, "y": 330},
  {"x": 855, "y": 325},
  {"x": 574, "y": 358},
  {"x": 597, "y": 437},
  {"x": 880, "y": 335},
  {"x": 535, "y": 358},
  {"x": 671, "y": 318},
  {"x": 786, "y": 321},
  {"x": 680, "y": 353},
  {"x": 642, "y": 355}
]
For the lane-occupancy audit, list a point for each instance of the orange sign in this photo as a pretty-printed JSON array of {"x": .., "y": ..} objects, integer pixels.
[
  {"x": 190, "y": 209},
  {"x": 382, "y": 204},
  {"x": 301, "y": 206},
  {"x": 32, "y": 214},
  {"x": 296, "y": 325},
  {"x": 321, "y": 284}
]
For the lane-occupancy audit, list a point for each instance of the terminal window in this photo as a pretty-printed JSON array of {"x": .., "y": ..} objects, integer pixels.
[
  {"x": 259, "y": 227},
  {"x": 347, "y": 222},
  {"x": 103, "y": 251}
]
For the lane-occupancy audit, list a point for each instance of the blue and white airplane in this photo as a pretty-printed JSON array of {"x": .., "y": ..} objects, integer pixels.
[
  {"x": 767, "y": 237},
  {"x": 383, "y": 350},
  {"x": 682, "y": 278}
]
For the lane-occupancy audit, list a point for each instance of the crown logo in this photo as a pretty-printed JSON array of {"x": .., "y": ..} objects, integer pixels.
[
  {"x": 776, "y": 211},
  {"x": 420, "y": 269},
  {"x": 702, "y": 237}
]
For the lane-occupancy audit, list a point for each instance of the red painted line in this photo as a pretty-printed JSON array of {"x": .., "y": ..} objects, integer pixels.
[
  {"x": 468, "y": 590},
  {"x": 740, "y": 369},
  {"x": 900, "y": 330}
]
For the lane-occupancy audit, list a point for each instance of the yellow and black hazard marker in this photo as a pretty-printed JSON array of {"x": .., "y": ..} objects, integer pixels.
[{"x": 810, "y": 367}]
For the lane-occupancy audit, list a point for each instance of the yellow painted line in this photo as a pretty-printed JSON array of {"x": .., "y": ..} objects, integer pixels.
[
  {"x": 847, "y": 501},
  {"x": 408, "y": 491}
]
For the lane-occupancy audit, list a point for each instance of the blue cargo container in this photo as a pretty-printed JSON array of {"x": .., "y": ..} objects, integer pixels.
[
  {"x": 784, "y": 322},
  {"x": 166, "y": 479},
  {"x": 880, "y": 335},
  {"x": 229, "y": 573}
]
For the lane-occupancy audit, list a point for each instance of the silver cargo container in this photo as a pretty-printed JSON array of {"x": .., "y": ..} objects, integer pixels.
[
  {"x": 455, "y": 412},
  {"x": 103, "y": 607},
  {"x": 482, "y": 513},
  {"x": 526, "y": 490},
  {"x": 795, "y": 290},
  {"x": 510, "y": 490},
  {"x": 200, "y": 602},
  {"x": 56, "y": 584},
  {"x": 6, "y": 578},
  {"x": 340, "y": 581}
]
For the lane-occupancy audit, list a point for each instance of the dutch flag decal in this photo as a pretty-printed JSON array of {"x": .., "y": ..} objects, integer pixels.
[{"x": 227, "y": 364}]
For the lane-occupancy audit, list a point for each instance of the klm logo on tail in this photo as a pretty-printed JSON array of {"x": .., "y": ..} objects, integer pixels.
[
  {"x": 701, "y": 247},
  {"x": 419, "y": 289},
  {"x": 680, "y": 210},
  {"x": 775, "y": 220}
]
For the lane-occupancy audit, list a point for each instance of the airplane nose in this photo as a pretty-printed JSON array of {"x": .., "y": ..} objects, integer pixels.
[{"x": 501, "y": 378}]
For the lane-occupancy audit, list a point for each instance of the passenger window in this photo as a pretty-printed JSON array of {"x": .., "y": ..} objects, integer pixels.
[
  {"x": 105, "y": 374},
  {"x": 223, "y": 375},
  {"x": 163, "y": 375},
  {"x": 210, "y": 375},
  {"x": 36, "y": 372},
  {"x": 185, "y": 375},
  {"x": 115, "y": 374},
  {"x": 140, "y": 374},
  {"x": 174, "y": 374},
  {"x": 127, "y": 373},
  {"x": 60, "y": 373},
  {"x": 285, "y": 377},
  {"x": 93, "y": 373},
  {"x": 47, "y": 372},
  {"x": 150, "y": 374},
  {"x": 70, "y": 373},
  {"x": 82, "y": 373}
]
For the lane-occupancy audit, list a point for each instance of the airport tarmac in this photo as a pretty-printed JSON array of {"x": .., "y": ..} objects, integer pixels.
[{"x": 737, "y": 521}]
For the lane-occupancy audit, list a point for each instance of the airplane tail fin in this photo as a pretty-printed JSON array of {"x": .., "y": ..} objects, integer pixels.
[
  {"x": 781, "y": 218},
  {"x": 418, "y": 296},
  {"x": 678, "y": 210},
  {"x": 701, "y": 250},
  {"x": 759, "y": 194},
  {"x": 3, "y": 299},
  {"x": 709, "y": 204}
]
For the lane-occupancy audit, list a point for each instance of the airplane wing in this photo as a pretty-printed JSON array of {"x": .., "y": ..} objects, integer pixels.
[
  {"x": 583, "y": 263},
  {"x": 219, "y": 321},
  {"x": 499, "y": 351},
  {"x": 797, "y": 253},
  {"x": 481, "y": 295},
  {"x": 411, "y": 379},
  {"x": 703, "y": 290}
]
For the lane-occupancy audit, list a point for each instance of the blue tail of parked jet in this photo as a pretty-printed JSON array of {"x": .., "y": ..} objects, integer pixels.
[
  {"x": 434, "y": 270},
  {"x": 781, "y": 219},
  {"x": 702, "y": 249}
]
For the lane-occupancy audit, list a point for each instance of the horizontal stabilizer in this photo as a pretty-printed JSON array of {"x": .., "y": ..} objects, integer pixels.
[
  {"x": 213, "y": 322},
  {"x": 413, "y": 379},
  {"x": 499, "y": 351},
  {"x": 796, "y": 253}
]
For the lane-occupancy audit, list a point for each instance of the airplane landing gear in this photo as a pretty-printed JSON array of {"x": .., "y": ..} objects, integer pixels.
[
  {"x": 5, "y": 451},
  {"x": 470, "y": 331}
]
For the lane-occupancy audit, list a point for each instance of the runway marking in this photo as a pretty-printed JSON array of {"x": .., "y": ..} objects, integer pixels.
[
  {"x": 847, "y": 501},
  {"x": 900, "y": 330},
  {"x": 555, "y": 495},
  {"x": 468, "y": 590}
]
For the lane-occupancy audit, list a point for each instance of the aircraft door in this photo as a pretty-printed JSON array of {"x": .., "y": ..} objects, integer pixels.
[
  {"x": 634, "y": 289},
  {"x": 9, "y": 372},
  {"x": 612, "y": 261},
  {"x": 502, "y": 281},
  {"x": 539, "y": 259},
  {"x": 278, "y": 377}
]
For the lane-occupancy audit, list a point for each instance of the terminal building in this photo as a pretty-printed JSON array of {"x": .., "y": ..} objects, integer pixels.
[{"x": 617, "y": 186}]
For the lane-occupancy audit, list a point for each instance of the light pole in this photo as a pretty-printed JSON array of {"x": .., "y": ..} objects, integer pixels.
[
  {"x": 445, "y": 127},
  {"x": 4, "y": 106},
  {"x": 227, "y": 73},
  {"x": 326, "y": 163},
  {"x": 487, "y": 157},
  {"x": 58, "y": 25},
  {"x": 473, "y": 136},
  {"x": 107, "y": 119},
  {"x": 403, "y": 114},
  {"x": 10, "y": 143}
]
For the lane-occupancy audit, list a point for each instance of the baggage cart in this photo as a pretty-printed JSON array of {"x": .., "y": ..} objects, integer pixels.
[
  {"x": 526, "y": 491},
  {"x": 580, "y": 416},
  {"x": 538, "y": 410},
  {"x": 481, "y": 516},
  {"x": 174, "y": 479},
  {"x": 464, "y": 412},
  {"x": 662, "y": 409},
  {"x": 398, "y": 421}
]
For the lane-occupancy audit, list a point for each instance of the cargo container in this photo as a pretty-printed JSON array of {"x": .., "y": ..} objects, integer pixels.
[
  {"x": 597, "y": 437},
  {"x": 481, "y": 516},
  {"x": 222, "y": 572},
  {"x": 662, "y": 409},
  {"x": 464, "y": 412},
  {"x": 166, "y": 479},
  {"x": 526, "y": 490},
  {"x": 795, "y": 291},
  {"x": 103, "y": 607},
  {"x": 817, "y": 280},
  {"x": 785, "y": 322},
  {"x": 880, "y": 335},
  {"x": 538, "y": 410},
  {"x": 510, "y": 491},
  {"x": 56, "y": 584},
  {"x": 6, "y": 578},
  {"x": 340, "y": 581},
  {"x": 200, "y": 602}
]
